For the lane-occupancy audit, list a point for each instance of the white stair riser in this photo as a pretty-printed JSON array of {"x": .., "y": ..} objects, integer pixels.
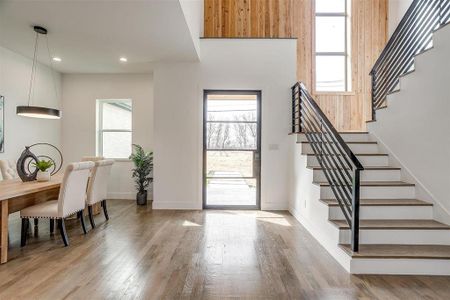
[
  {"x": 356, "y": 148},
  {"x": 376, "y": 192},
  {"x": 403, "y": 266},
  {"x": 387, "y": 212},
  {"x": 348, "y": 137},
  {"x": 398, "y": 237},
  {"x": 366, "y": 175},
  {"x": 373, "y": 161}
]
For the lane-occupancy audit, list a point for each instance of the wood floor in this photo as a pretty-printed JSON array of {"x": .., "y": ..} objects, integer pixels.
[{"x": 148, "y": 254}]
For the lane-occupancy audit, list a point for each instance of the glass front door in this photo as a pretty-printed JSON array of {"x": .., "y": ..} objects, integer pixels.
[{"x": 231, "y": 156}]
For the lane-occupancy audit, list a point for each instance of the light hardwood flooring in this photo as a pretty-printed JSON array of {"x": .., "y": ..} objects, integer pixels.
[{"x": 140, "y": 253}]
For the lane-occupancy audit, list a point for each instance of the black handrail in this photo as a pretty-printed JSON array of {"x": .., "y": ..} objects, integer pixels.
[
  {"x": 339, "y": 164},
  {"x": 412, "y": 36}
]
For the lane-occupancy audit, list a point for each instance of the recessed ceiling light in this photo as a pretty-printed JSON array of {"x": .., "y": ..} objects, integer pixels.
[
  {"x": 58, "y": 59},
  {"x": 123, "y": 59}
]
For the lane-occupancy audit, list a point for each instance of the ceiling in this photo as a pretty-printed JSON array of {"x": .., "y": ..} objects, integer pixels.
[{"x": 91, "y": 36}]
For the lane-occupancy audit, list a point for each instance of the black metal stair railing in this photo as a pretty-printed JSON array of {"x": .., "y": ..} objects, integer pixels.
[
  {"x": 413, "y": 35},
  {"x": 340, "y": 166}
]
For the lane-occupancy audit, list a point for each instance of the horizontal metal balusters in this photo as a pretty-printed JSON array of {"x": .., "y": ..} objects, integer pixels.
[
  {"x": 413, "y": 35},
  {"x": 445, "y": 12},
  {"x": 338, "y": 163}
]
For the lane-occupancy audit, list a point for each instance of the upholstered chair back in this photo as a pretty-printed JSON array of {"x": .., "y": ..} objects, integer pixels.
[
  {"x": 98, "y": 183},
  {"x": 72, "y": 194},
  {"x": 92, "y": 158},
  {"x": 8, "y": 169}
]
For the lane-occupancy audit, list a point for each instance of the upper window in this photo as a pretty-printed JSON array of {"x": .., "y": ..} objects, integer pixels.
[
  {"x": 114, "y": 128},
  {"x": 332, "y": 46}
]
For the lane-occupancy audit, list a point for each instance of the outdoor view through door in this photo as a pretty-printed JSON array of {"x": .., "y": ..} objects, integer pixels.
[{"x": 232, "y": 149}]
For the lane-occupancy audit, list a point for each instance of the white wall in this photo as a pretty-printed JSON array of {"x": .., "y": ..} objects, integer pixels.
[
  {"x": 415, "y": 125},
  {"x": 397, "y": 9},
  {"x": 80, "y": 92},
  {"x": 15, "y": 72},
  {"x": 193, "y": 14},
  {"x": 267, "y": 65}
]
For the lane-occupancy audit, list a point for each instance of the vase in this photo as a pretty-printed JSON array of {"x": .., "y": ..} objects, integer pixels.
[
  {"x": 43, "y": 176},
  {"x": 141, "y": 198}
]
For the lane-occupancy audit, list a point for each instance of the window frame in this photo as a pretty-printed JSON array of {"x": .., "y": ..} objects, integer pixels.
[
  {"x": 347, "y": 50},
  {"x": 100, "y": 130}
]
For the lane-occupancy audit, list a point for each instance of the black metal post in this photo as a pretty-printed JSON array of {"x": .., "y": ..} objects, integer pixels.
[
  {"x": 355, "y": 211},
  {"x": 300, "y": 127},
  {"x": 374, "y": 116},
  {"x": 293, "y": 109}
]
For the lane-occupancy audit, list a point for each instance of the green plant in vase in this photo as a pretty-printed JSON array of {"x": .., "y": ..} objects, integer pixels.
[
  {"x": 143, "y": 167},
  {"x": 43, "y": 167}
]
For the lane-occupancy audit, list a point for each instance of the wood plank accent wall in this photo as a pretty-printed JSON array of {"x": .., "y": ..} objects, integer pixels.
[{"x": 295, "y": 19}]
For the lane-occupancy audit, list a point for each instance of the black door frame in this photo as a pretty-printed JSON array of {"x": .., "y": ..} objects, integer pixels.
[{"x": 258, "y": 94}]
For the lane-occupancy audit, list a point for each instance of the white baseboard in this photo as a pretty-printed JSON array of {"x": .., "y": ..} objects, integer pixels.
[
  {"x": 177, "y": 205},
  {"x": 125, "y": 196},
  {"x": 274, "y": 206}
]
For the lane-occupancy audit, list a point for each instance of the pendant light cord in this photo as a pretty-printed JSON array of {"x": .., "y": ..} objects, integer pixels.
[
  {"x": 33, "y": 68},
  {"x": 52, "y": 70}
]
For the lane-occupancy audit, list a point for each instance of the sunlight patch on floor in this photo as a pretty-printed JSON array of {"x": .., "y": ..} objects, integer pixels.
[
  {"x": 187, "y": 223},
  {"x": 265, "y": 216}
]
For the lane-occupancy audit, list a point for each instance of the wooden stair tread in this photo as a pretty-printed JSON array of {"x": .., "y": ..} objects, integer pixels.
[
  {"x": 357, "y": 154},
  {"x": 353, "y": 132},
  {"x": 382, "y": 202},
  {"x": 394, "y": 224},
  {"x": 373, "y": 183},
  {"x": 362, "y": 142},
  {"x": 365, "y": 168},
  {"x": 343, "y": 132},
  {"x": 399, "y": 251}
]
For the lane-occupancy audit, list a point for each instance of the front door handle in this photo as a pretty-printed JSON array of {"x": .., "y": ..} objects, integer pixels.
[{"x": 257, "y": 156}]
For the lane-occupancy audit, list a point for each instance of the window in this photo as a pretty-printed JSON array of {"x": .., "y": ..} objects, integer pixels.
[
  {"x": 114, "y": 128},
  {"x": 332, "y": 46}
]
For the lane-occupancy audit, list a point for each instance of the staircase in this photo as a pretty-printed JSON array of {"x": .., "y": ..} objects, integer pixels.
[
  {"x": 398, "y": 234},
  {"x": 349, "y": 192}
]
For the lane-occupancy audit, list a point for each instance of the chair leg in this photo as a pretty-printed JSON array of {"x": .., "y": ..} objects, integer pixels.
[
  {"x": 91, "y": 216},
  {"x": 105, "y": 210},
  {"x": 83, "y": 225},
  {"x": 62, "y": 230},
  {"x": 23, "y": 236},
  {"x": 52, "y": 226},
  {"x": 36, "y": 221}
]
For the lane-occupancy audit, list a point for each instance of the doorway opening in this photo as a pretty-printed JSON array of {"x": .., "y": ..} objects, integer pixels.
[{"x": 231, "y": 149}]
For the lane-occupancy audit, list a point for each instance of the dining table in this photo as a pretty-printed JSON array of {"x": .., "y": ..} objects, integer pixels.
[{"x": 16, "y": 195}]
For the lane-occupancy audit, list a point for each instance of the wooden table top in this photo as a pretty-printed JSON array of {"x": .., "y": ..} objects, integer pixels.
[{"x": 15, "y": 187}]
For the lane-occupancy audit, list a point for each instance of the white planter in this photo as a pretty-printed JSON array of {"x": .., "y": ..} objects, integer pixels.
[{"x": 43, "y": 176}]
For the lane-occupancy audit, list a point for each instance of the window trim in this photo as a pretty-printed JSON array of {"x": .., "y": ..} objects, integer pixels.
[
  {"x": 100, "y": 130},
  {"x": 347, "y": 50}
]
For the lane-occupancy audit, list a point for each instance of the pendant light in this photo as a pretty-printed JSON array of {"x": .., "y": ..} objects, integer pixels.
[{"x": 39, "y": 111}]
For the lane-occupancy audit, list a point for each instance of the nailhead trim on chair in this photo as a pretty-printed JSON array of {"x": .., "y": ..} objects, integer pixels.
[{"x": 33, "y": 217}]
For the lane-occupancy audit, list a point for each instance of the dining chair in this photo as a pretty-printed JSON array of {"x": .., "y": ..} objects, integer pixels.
[
  {"x": 92, "y": 158},
  {"x": 8, "y": 169},
  {"x": 71, "y": 200},
  {"x": 98, "y": 187}
]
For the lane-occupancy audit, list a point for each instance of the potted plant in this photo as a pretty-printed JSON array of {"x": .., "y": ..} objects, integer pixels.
[
  {"x": 43, "y": 167},
  {"x": 143, "y": 162}
]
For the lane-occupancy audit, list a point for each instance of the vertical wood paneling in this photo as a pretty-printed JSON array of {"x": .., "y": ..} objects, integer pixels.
[{"x": 295, "y": 19}]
